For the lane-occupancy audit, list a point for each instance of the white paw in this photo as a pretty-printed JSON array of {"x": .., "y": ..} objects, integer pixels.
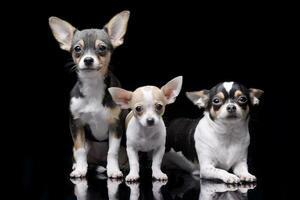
[
  {"x": 74, "y": 166},
  {"x": 131, "y": 177},
  {"x": 247, "y": 177},
  {"x": 159, "y": 175},
  {"x": 114, "y": 173},
  {"x": 230, "y": 178},
  {"x": 79, "y": 171}
]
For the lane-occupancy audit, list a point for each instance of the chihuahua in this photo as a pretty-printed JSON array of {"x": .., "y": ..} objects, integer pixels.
[
  {"x": 93, "y": 111},
  {"x": 146, "y": 131},
  {"x": 219, "y": 141}
]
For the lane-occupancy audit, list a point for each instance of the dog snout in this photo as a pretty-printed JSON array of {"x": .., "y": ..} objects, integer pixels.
[
  {"x": 231, "y": 108},
  {"x": 88, "y": 61},
  {"x": 150, "y": 121}
]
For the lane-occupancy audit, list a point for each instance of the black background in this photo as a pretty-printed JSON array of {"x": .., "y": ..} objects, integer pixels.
[{"x": 250, "y": 44}]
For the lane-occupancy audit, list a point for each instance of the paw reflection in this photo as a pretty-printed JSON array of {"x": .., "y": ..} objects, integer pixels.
[
  {"x": 80, "y": 188},
  {"x": 210, "y": 190}
]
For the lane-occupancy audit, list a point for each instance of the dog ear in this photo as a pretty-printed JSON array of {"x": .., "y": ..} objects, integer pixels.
[
  {"x": 199, "y": 98},
  {"x": 62, "y": 31},
  {"x": 172, "y": 89},
  {"x": 120, "y": 96},
  {"x": 255, "y": 94},
  {"x": 116, "y": 28}
]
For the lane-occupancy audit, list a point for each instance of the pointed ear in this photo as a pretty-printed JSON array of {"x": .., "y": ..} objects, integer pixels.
[
  {"x": 255, "y": 94},
  {"x": 116, "y": 28},
  {"x": 172, "y": 89},
  {"x": 120, "y": 96},
  {"x": 62, "y": 31},
  {"x": 199, "y": 98}
]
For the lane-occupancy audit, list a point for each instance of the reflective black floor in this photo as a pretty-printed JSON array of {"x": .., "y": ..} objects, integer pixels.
[{"x": 180, "y": 186}]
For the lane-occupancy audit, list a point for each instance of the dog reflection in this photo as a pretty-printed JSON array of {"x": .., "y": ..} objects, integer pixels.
[
  {"x": 80, "y": 188},
  {"x": 214, "y": 190},
  {"x": 135, "y": 190},
  {"x": 96, "y": 188}
]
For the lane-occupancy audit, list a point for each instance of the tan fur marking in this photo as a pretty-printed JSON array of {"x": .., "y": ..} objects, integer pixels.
[
  {"x": 238, "y": 93},
  {"x": 104, "y": 62},
  {"x": 79, "y": 140},
  {"x": 128, "y": 118},
  {"x": 113, "y": 114},
  {"x": 221, "y": 95}
]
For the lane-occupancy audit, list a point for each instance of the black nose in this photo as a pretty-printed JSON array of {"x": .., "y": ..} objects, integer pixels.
[
  {"x": 88, "y": 61},
  {"x": 231, "y": 108},
  {"x": 150, "y": 121}
]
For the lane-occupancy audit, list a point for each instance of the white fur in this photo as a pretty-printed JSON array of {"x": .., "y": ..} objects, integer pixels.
[
  {"x": 222, "y": 145},
  {"x": 80, "y": 165},
  {"x": 113, "y": 170},
  {"x": 90, "y": 108},
  {"x": 228, "y": 86},
  {"x": 80, "y": 188},
  {"x": 141, "y": 138}
]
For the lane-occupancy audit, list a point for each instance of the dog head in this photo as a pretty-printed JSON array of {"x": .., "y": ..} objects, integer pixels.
[
  {"x": 148, "y": 103},
  {"x": 226, "y": 101},
  {"x": 91, "y": 49}
]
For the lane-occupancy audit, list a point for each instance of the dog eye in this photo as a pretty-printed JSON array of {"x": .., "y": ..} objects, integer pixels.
[
  {"x": 139, "y": 109},
  {"x": 158, "y": 107},
  {"x": 216, "y": 101},
  {"x": 77, "y": 49},
  {"x": 101, "y": 48},
  {"x": 242, "y": 99}
]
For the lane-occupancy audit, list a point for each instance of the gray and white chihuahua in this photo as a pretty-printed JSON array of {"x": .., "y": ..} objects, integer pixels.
[
  {"x": 219, "y": 141},
  {"x": 94, "y": 113}
]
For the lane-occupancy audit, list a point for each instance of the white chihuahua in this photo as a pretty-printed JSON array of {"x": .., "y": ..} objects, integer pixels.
[{"x": 146, "y": 131}]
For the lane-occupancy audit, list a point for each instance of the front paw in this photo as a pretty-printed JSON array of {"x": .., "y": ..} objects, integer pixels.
[
  {"x": 159, "y": 175},
  {"x": 132, "y": 177},
  {"x": 230, "y": 178},
  {"x": 79, "y": 171},
  {"x": 114, "y": 173},
  {"x": 247, "y": 177}
]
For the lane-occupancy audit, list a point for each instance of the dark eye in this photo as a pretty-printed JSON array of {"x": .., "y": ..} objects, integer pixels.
[
  {"x": 101, "y": 48},
  {"x": 139, "y": 109},
  {"x": 158, "y": 107},
  {"x": 216, "y": 101},
  {"x": 77, "y": 49},
  {"x": 242, "y": 99}
]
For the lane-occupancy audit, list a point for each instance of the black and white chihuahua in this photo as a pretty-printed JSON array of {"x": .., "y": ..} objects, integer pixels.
[
  {"x": 219, "y": 141},
  {"x": 92, "y": 108}
]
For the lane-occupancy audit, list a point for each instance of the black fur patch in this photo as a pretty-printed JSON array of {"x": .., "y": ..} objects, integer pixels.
[{"x": 180, "y": 137}]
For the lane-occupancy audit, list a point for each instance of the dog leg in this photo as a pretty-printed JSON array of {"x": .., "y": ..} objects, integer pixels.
[
  {"x": 156, "y": 164},
  {"x": 113, "y": 169},
  {"x": 133, "y": 158},
  {"x": 241, "y": 170},
  {"x": 208, "y": 171},
  {"x": 79, "y": 153}
]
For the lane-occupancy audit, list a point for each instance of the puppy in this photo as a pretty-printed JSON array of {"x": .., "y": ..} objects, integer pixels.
[
  {"x": 219, "y": 141},
  {"x": 146, "y": 131},
  {"x": 94, "y": 114}
]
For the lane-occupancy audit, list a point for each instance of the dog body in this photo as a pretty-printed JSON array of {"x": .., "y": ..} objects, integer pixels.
[
  {"x": 221, "y": 138},
  {"x": 94, "y": 114},
  {"x": 146, "y": 131}
]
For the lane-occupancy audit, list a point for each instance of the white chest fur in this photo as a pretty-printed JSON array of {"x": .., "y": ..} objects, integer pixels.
[
  {"x": 90, "y": 108},
  {"x": 223, "y": 144},
  {"x": 145, "y": 138}
]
